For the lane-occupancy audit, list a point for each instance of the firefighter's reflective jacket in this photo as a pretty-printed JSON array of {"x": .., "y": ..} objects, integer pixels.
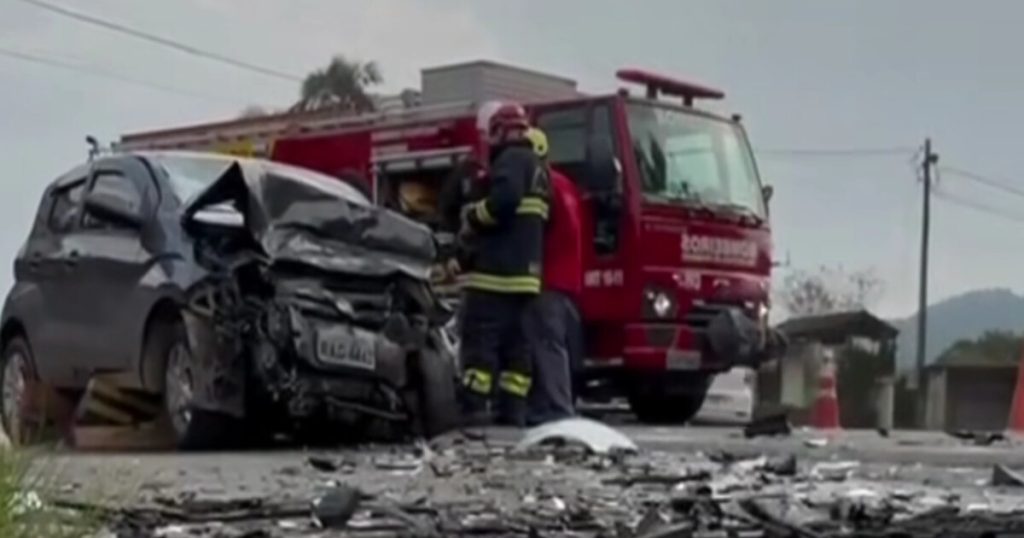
[{"x": 509, "y": 223}]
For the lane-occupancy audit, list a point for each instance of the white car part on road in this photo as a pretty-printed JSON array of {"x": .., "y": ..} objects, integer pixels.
[{"x": 597, "y": 437}]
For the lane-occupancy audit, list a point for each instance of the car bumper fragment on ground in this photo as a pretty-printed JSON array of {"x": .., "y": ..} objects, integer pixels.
[{"x": 457, "y": 486}]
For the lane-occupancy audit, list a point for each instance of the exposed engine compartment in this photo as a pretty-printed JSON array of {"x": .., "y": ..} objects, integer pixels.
[{"x": 296, "y": 324}]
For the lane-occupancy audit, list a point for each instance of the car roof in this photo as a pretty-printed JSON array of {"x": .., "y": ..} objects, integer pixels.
[{"x": 71, "y": 176}]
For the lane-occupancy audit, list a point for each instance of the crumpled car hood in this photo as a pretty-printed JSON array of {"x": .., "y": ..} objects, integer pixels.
[{"x": 298, "y": 218}]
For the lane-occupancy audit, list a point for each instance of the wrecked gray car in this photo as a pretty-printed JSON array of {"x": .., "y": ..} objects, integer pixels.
[{"x": 246, "y": 296}]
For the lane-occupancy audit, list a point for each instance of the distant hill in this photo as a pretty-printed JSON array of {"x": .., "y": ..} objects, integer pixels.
[{"x": 964, "y": 316}]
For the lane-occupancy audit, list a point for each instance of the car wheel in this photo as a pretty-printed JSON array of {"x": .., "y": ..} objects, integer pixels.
[
  {"x": 191, "y": 428},
  {"x": 438, "y": 401},
  {"x": 15, "y": 376},
  {"x": 674, "y": 403}
]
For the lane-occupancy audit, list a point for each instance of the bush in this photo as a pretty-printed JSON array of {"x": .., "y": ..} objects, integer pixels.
[{"x": 24, "y": 511}]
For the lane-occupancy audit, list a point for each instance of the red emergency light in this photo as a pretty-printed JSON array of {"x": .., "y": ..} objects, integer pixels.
[{"x": 659, "y": 84}]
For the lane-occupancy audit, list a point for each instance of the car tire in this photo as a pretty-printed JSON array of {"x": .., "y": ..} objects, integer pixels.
[
  {"x": 17, "y": 369},
  {"x": 190, "y": 429},
  {"x": 653, "y": 403},
  {"x": 438, "y": 409}
]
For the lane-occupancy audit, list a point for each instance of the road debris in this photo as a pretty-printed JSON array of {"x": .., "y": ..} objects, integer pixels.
[
  {"x": 595, "y": 436},
  {"x": 979, "y": 438},
  {"x": 818, "y": 442},
  {"x": 572, "y": 490},
  {"x": 834, "y": 471},
  {"x": 769, "y": 425},
  {"x": 1004, "y": 476},
  {"x": 335, "y": 508}
]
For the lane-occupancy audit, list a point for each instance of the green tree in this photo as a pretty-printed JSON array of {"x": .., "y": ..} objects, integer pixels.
[
  {"x": 990, "y": 347},
  {"x": 342, "y": 85}
]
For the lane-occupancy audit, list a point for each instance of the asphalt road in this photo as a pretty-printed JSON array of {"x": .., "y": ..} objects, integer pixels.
[
  {"x": 117, "y": 474},
  {"x": 933, "y": 465}
]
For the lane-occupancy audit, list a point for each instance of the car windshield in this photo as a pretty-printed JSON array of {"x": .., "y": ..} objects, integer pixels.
[
  {"x": 189, "y": 174},
  {"x": 686, "y": 157}
]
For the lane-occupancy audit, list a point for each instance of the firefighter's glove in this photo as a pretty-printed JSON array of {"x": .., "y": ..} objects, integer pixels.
[{"x": 453, "y": 267}]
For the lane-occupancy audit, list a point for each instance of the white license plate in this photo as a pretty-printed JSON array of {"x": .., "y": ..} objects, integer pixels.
[
  {"x": 679, "y": 359},
  {"x": 346, "y": 347}
]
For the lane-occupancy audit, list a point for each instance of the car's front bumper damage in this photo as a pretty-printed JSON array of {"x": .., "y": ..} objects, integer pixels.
[{"x": 317, "y": 307}]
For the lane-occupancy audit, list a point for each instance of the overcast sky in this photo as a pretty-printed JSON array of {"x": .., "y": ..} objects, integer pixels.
[{"x": 804, "y": 74}]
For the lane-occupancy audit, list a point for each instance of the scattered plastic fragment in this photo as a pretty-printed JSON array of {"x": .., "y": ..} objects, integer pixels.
[
  {"x": 320, "y": 463},
  {"x": 834, "y": 471},
  {"x": 783, "y": 466},
  {"x": 333, "y": 509},
  {"x": 768, "y": 425},
  {"x": 1004, "y": 476},
  {"x": 979, "y": 438},
  {"x": 597, "y": 437},
  {"x": 819, "y": 442}
]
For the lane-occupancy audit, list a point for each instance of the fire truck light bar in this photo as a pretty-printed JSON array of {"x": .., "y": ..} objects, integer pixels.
[{"x": 656, "y": 84}]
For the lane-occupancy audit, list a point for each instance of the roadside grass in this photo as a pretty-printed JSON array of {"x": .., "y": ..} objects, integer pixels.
[{"x": 26, "y": 481}]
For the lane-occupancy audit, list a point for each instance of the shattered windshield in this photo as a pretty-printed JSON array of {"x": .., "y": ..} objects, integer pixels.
[
  {"x": 685, "y": 157},
  {"x": 190, "y": 174}
]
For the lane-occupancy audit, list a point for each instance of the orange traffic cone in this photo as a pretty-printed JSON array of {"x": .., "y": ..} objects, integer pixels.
[
  {"x": 1016, "y": 422},
  {"x": 826, "y": 405}
]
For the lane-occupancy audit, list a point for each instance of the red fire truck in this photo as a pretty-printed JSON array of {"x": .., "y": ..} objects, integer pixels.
[{"x": 676, "y": 218}]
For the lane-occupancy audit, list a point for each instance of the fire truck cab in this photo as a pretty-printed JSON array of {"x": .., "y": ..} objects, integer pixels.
[{"x": 677, "y": 244}]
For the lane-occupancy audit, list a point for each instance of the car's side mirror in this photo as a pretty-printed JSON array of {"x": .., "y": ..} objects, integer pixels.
[
  {"x": 766, "y": 192},
  {"x": 114, "y": 208}
]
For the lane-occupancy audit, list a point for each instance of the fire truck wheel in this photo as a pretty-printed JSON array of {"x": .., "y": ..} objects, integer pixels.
[
  {"x": 674, "y": 401},
  {"x": 438, "y": 403}
]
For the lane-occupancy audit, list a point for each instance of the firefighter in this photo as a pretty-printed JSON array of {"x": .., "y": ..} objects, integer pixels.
[
  {"x": 507, "y": 227},
  {"x": 552, "y": 324}
]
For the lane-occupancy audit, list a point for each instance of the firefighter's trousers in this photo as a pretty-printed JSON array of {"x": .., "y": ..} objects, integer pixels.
[
  {"x": 553, "y": 331},
  {"x": 494, "y": 358}
]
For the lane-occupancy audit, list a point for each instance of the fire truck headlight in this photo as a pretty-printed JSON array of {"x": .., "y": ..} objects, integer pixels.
[{"x": 660, "y": 303}]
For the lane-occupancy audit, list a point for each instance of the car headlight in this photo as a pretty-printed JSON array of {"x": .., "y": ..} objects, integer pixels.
[{"x": 660, "y": 303}]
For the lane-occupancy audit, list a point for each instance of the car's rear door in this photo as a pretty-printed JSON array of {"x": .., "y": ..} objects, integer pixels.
[
  {"x": 44, "y": 265},
  {"x": 111, "y": 264}
]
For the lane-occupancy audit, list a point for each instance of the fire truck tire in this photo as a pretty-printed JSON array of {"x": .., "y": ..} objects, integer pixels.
[
  {"x": 438, "y": 400},
  {"x": 654, "y": 404}
]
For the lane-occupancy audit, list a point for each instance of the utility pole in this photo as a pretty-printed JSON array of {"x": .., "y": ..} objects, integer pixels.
[{"x": 928, "y": 162}]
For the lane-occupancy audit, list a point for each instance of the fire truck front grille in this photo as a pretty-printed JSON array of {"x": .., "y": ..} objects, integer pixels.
[{"x": 701, "y": 313}]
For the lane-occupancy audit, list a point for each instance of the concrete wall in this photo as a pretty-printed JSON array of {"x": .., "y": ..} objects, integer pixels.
[
  {"x": 979, "y": 398},
  {"x": 966, "y": 398}
]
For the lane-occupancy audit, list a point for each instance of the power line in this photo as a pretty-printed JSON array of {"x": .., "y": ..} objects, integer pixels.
[
  {"x": 60, "y": 64},
  {"x": 837, "y": 152},
  {"x": 994, "y": 183},
  {"x": 977, "y": 206},
  {"x": 152, "y": 38}
]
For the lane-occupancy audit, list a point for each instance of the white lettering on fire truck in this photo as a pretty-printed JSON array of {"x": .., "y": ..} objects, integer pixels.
[
  {"x": 688, "y": 280},
  {"x": 706, "y": 248},
  {"x": 608, "y": 278}
]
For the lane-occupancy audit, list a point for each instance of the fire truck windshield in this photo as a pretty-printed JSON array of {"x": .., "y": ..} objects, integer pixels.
[{"x": 693, "y": 159}]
